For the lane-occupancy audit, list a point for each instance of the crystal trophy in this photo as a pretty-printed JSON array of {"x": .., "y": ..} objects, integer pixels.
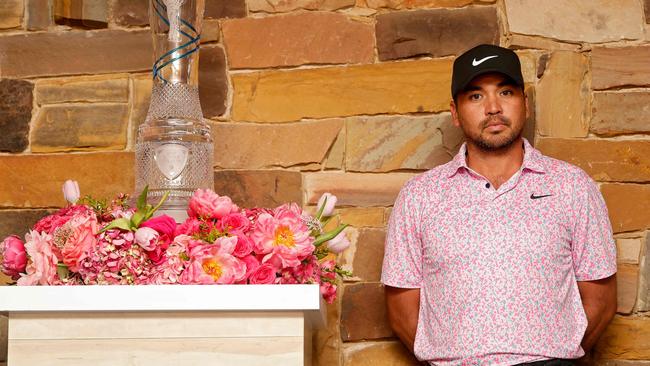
[{"x": 174, "y": 148}]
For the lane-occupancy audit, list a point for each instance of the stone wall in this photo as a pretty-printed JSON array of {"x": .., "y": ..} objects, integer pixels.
[{"x": 345, "y": 96}]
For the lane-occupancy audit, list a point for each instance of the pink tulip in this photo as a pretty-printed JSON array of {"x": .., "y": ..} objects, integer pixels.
[
  {"x": 328, "y": 208},
  {"x": 14, "y": 257},
  {"x": 339, "y": 243},
  {"x": 71, "y": 191},
  {"x": 147, "y": 238}
]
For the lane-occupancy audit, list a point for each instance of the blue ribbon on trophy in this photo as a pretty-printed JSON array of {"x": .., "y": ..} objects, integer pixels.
[{"x": 169, "y": 12}]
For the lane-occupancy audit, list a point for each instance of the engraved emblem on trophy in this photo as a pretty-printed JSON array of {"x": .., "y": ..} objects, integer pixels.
[{"x": 174, "y": 147}]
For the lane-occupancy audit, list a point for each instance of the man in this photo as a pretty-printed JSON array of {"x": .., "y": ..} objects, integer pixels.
[{"x": 502, "y": 256}]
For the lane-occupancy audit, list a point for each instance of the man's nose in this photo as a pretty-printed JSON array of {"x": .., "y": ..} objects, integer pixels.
[{"x": 492, "y": 105}]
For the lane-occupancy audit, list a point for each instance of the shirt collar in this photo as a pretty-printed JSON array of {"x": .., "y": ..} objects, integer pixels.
[{"x": 532, "y": 160}]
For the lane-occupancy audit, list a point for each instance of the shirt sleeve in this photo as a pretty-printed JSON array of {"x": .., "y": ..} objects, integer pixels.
[
  {"x": 592, "y": 244},
  {"x": 402, "y": 265}
]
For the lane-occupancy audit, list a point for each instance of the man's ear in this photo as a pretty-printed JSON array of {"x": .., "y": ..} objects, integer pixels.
[{"x": 454, "y": 113}]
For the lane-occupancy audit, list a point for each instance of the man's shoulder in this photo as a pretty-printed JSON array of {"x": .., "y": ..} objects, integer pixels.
[
  {"x": 562, "y": 170},
  {"x": 427, "y": 180}
]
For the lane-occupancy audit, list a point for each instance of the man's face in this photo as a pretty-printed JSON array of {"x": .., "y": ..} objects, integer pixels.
[{"x": 491, "y": 111}]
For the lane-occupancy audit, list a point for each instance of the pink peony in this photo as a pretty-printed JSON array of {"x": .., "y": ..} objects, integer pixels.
[
  {"x": 339, "y": 243},
  {"x": 283, "y": 236},
  {"x": 14, "y": 257},
  {"x": 147, "y": 238},
  {"x": 42, "y": 268},
  {"x": 83, "y": 228},
  {"x": 264, "y": 274},
  {"x": 50, "y": 223},
  {"x": 214, "y": 263},
  {"x": 206, "y": 204}
]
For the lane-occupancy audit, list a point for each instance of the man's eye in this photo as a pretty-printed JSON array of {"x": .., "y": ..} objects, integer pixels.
[
  {"x": 507, "y": 92},
  {"x": 474, "y": 96}
]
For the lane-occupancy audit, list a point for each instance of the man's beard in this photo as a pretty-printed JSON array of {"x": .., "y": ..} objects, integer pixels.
[{"x": 497, "y": 142}]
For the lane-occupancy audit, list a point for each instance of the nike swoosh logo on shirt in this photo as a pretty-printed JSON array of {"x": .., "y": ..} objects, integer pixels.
[
  {"x": 476, "y": 63},
  {"x": 532, "y": 196}
]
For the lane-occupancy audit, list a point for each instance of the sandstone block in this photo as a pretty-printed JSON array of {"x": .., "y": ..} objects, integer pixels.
[
  {"x": 213, "y": 81},
  {"x": 327, "y": 342},
  {"x": 363, "y": 313},
  {"x": 626, "y": 338},
  {"x": 439, "y": 32},
  {"x": 608, "y": 71},
  {"x": 523, "y": 41},
  {"x": 362, "y": 216},
  {"x": 36, "y": 180},
  {"x": 279, "y": 6},
  {"x": 74, "y": 52},
  {"x": 627, "y": 206},
  {"x": 529, "y": 62},
  {"x": 382, "y": 144},
  {"x": 15, "y": 113},
  {"x": 83, "y": 89},
  {"x": 628, "y": 250},
  {"x": 259, "y": 188},
  {"x": 336, "y": 156},
  {"x": 616, "y": 113},
  {"x": 80, "y": 126},
  {"x": 129, "y": 13},
  {"x": 369, "y": 254},
  {"x": 592, "y": 21},
  {"x": 403, "y": 87},
  {"x": 620, "y": 363},
  {"x": 378, "y": 353},
  {"x": 646, "y": 8},
  {"x": 297, "y": 39},
  {"x": 81, "y": 13},
  {"x": 565, "y": 75},
  {"x": 627, "y": 282},
  {"x": 211, "y": 31},
  {"x": 643, "y": 301},
  {"x": 355, "y": 189},
  {"x": 255, "y": 146},
  {"x": 411, "y": 4},
  {"x": 38, "y": 14},
  {"x": 11, "y": 13},
  {"x": 216, "y": 9},
  {"x": 603, "y": 160},
  {"x": 18, "y": 222}
]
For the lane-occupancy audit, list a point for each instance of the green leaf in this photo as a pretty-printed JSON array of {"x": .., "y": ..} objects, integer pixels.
[
  {"x": 62, "y": 270},
  {"x": 330, "y": 235},
  {"x": 162, "y": 200},
  {"x": 137, "y": 219},
  {"x": 122, "y": 223},
  {"x": 142, "y": 199},
  {"x": 320, "y": 211}
]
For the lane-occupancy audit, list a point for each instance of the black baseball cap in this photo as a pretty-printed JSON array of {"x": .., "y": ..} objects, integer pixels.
[{"x": 483, "y": 59}]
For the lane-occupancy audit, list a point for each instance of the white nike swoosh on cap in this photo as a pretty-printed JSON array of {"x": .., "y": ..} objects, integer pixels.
[{"x": 476, "y": 63}]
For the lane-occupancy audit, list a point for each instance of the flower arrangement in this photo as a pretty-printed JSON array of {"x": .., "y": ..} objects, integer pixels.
[{"x": 99, "y": 243}]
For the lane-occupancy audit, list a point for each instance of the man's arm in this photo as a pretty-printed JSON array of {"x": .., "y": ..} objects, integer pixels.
[
  {"x": 599, "y": 302},
  {"x": 403, "y": 308}
]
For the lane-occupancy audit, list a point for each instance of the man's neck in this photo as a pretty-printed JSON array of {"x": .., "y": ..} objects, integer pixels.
[{"x": 496, "y": 166}]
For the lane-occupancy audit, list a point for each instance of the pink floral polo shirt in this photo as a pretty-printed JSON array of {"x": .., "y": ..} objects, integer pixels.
[{"x": 497, "y": 268}]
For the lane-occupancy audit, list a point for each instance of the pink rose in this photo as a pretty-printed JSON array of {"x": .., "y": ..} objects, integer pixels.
[
  {"x": 147, "y": 238},
  {"x": 327, "y": 202},
  {"x": 328, "y": 290},
  {"x": 244, "y": 245},
  {"x": 264, "y": 274},
  {"x": 79, "y": 243},
  {"x": 251, "y": 265},
  {"x": 191, "y": 226},
  {"x": 234, "y": 222},
  {"x": 163, "y": 224},
  {"x": 339, "y": 243},
  {"x": 14, "y": 256},
  {"x": 206, "y": 204}
]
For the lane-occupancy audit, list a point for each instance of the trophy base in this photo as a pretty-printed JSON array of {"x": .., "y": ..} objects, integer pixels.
[{"x": 178, "y": 214}]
